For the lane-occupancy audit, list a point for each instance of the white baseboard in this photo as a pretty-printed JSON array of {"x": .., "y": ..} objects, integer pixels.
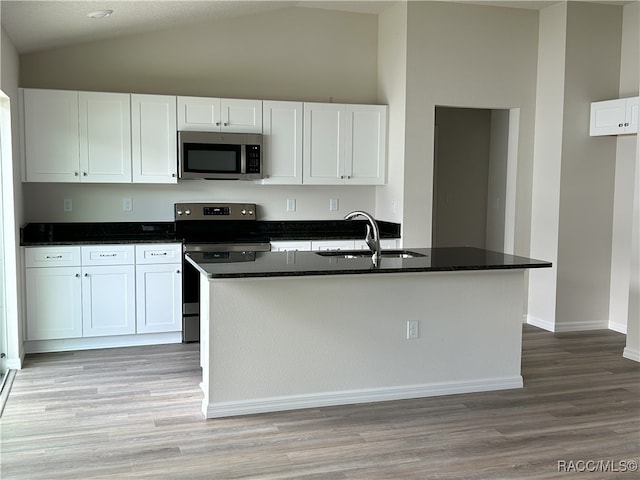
[
  {"x": 631, "y": 354},
  {"x": 618, "y": 327},
  {"x": 92, "y": 343},
  {"x": 568, "y": 326},
  {"x": 540, "y": 323},
  {"x": 349, "y": 397}
]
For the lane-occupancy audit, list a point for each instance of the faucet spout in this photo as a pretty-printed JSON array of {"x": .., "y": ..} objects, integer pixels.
[{"x": 372, "y": 237}]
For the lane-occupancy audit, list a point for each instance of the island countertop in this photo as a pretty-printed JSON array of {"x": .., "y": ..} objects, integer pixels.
[{"x": 285, "y": 264}]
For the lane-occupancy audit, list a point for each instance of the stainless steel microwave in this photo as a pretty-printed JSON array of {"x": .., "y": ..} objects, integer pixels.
[{"x": 219, "y": 156}]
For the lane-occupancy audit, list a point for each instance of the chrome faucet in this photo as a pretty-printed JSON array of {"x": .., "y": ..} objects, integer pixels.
[{"x": 373, "y": 234}]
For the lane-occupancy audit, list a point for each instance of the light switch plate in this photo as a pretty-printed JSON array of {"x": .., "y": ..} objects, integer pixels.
[
  {"x": 67, "y": 205},
  {"x": 291, "y": 204},
  {"x": 127, "y": 204},
  {"x": 333, "y": 204}
]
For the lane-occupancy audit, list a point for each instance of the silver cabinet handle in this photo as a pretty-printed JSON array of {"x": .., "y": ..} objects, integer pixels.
[
  {"x": 86, "y": 274},
  {"x": 173, "y": 175},
  {"x": 76, "y": 174},
  {"x": 217, "y": 124},
  {"x": 77, "y": 275},
  {"x": 225, "y": 124},
  {"x": 84, "y": 174},
  {"x": 177, "y": 271}
]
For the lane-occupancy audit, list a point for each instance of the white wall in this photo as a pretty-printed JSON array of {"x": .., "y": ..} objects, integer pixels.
[
  {"x": 465, "y": 56},
  {"x": 632, "y": 349},
  {"x": 392, "y": 90},
  {"x": 625, "y": 161},
  {"x": 497, "y": 181},
  {"x": 12, "y": 214},
  {"x": 587, "y": 170},
  {"x": 295, "y": 54}
]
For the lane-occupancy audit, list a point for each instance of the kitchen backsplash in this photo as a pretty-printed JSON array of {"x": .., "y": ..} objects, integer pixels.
[{"x": 46, "y": 202}]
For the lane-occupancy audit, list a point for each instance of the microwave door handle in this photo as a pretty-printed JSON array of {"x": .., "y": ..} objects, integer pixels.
[{"x": 243, "y": 158}]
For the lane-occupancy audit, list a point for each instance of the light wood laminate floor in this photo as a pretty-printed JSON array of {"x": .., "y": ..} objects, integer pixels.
[{"x": 135, "y": 413}]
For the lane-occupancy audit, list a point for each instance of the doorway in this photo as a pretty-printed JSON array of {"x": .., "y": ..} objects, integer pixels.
[{"x": 475, "y": 160}]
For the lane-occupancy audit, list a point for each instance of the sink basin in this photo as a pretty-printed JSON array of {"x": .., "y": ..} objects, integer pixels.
[{"x": 367, "y": 253}]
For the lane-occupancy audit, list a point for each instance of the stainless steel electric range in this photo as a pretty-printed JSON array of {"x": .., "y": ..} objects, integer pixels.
[{"x": 222, "y": 232}]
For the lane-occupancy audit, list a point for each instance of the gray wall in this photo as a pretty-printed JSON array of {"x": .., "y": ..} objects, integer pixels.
[{"x": 461, "y": 178}]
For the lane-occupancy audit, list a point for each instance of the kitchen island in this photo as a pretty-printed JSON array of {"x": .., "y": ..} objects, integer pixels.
[{"x": 290, "y": 330}]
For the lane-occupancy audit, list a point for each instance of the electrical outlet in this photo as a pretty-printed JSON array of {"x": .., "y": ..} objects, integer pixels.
[
  {"x": 67, "y": 205},
  {"x": 333, "y": 204},
  {"x": 291, "y": 204},
  {"x": 127, "y": 204},
  {"x": 412, "y": 329}
]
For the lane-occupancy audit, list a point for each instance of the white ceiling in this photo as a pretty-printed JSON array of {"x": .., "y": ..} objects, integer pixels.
[{"x": 43, "y": 24}]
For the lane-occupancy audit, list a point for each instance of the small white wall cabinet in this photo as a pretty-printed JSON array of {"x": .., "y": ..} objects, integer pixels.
[
  {"x": 614, "y": 117},
  {"x": 344, "y": 144},
  {"x": 282, "y": 142},
  {"x": 153, "y": 138},
  {"x": 158, "y": 288},
  {"x": 108, "y": 290},
  {"x": 203, "y": 114},
  {"x": 76, "y": 136},
  {"x": 53, "y": 293}
]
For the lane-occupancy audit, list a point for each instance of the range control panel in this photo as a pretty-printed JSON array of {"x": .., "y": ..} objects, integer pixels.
[{"x": 214, "y": 211}]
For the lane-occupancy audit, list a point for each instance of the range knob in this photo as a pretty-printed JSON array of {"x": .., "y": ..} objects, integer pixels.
[
  {"x": 243, "y": 211},
  {"x": 187, "y": 212},
  {"x": 250, "y": 212},
  {"x": 179, "y": 212}
]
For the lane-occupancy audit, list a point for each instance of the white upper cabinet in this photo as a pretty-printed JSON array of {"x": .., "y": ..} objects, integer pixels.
[
  {"x": 344, "y": 144},
  {"x": 105, "y": 137},
  {"x": 203, "y": 114},
  {"x": 154, "y": 139},
  {"x": 51, "y": 145},
  {"x": 614, "y": 117},
  {"x": 323, "y": 152},
  {"x": 282, "y": 142},
  {"x": 366, "y": 144},
  {"x": 76, "y": 136}
]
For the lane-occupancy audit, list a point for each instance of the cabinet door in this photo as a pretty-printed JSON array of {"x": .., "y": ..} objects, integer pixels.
[
  {"x": 291, "y": 246},
  {"x": 199, "y": 114},
  {"x": 282, "y": 142},
  {"x": 631, "y": 115},
  {"x": 54, "y": 303},
  {"x": 108, "y": 300},
  {"x": 320, "y": 245},
  {"x": 105, "y": 137},
  {"x": 323, "y": 146},
  {"x": 158, "y": 298},
  {"x": 241, "y": 116},
  {"x": 366, "y": 144},
  {"x": 154, "y": 139},
  {"x": 51, "y": 136},
  {"x": 607, "y": 118}
]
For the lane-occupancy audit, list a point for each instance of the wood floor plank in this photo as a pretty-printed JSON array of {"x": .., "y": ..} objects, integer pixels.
[{"x": 134, "y": 413}]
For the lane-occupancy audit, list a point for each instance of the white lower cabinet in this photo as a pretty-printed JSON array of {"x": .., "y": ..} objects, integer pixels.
[
  {"x": 158, "y": 288},
  {"x": 85, "y": 292},
  {"x": 291, "y": 246},
  {"x": 54, "y": 303},
  {"x": 108, "y": 300}
]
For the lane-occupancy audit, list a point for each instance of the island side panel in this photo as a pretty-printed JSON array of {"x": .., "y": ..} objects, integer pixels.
[{"x": 294, "y": 342}]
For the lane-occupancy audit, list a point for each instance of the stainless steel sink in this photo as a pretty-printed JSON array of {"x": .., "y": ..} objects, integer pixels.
[{"x": 367, "y": 253}]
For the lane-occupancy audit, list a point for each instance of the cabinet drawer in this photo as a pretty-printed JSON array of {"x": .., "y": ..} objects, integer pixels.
[
  {"x": 108, "y": 255},
  {"x": 159, "y": 253},
  {"x": 59, "y": 256}
]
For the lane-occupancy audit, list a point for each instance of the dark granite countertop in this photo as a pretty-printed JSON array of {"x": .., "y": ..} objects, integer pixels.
[
  {"x": 40, "y": 234},
  {"x": 282, "y": 264}
]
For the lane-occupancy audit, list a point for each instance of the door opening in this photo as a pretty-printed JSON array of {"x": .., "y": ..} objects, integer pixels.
[{"x": 475, "y": 159}]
